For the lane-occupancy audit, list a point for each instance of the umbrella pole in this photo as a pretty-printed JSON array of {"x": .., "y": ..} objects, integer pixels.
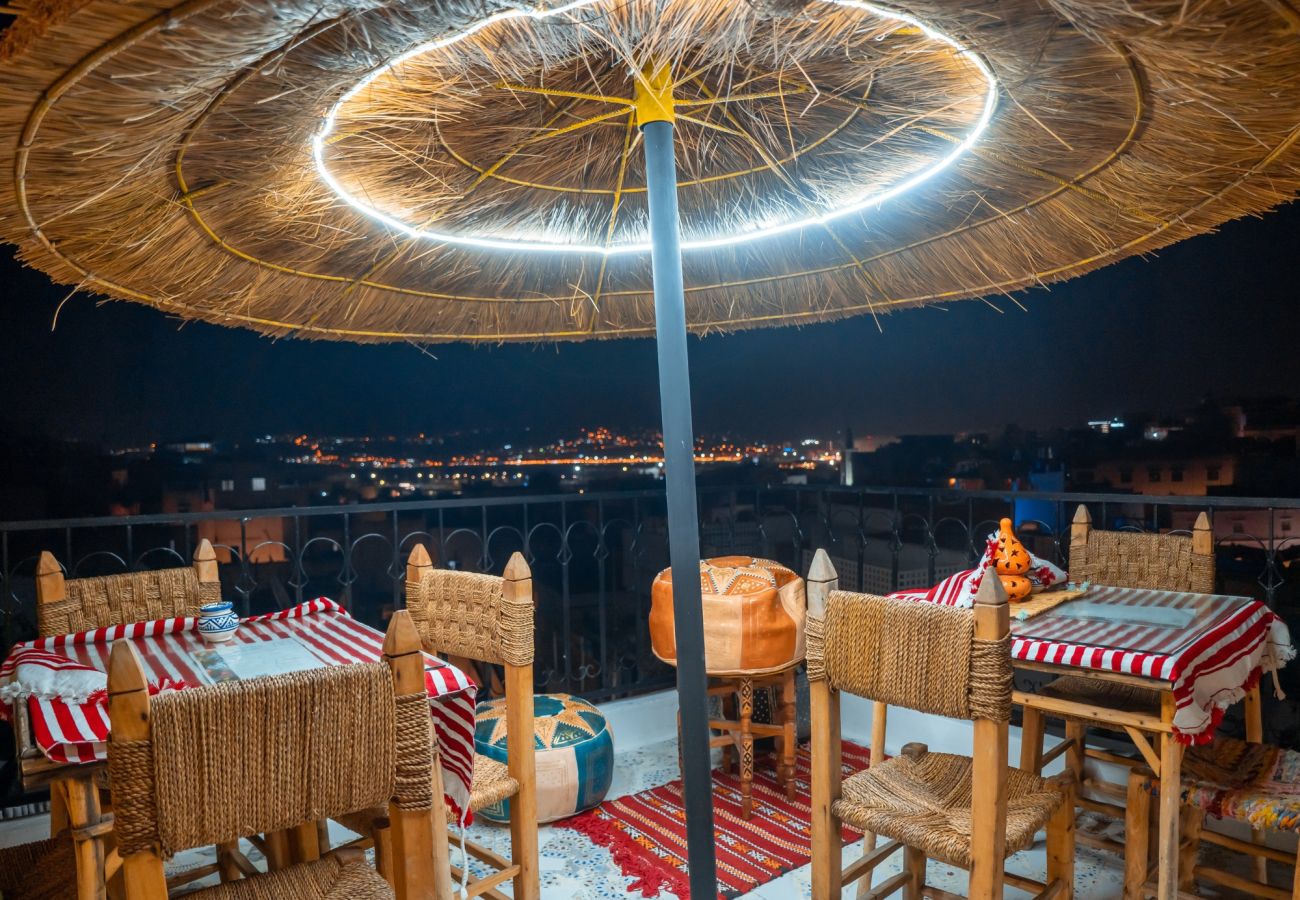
[{"x": 654, "y": 108}]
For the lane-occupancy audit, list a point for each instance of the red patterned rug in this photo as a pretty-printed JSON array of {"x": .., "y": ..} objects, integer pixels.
[{"x": 646, "y": 832}]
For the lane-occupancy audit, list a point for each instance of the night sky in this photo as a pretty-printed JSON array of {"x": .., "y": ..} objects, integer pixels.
[{"x": 1219, "y": 314}]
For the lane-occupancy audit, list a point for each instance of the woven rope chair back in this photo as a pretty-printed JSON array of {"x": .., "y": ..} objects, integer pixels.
[
  {"x": 248, "y": 757},
  {"x": 123, "y": 599},
  {"x": 918, "y": 655},
  {"x": 1135, "y": 560},
  {"x": 467, "y": 614}
]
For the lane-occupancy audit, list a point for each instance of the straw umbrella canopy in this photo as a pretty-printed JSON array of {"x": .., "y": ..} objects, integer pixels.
[
  {"x": 164, "y": 153},
  {"x": 484, "y": 170}
]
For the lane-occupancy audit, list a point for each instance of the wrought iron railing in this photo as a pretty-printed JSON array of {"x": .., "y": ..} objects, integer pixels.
[{"x": 594, "y": 555}]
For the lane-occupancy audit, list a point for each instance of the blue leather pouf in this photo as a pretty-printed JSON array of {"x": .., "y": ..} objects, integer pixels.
[{"x": 575, "y": 754}]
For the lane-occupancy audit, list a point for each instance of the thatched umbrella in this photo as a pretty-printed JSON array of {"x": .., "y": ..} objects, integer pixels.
[{"x": 434, "y": 170}]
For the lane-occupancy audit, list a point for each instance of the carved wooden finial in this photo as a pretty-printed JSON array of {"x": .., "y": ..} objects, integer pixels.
[
  {"x": 419, "y": 556},
  {"x": 990, "y": 592},
  {"x": 125, "y": 674},
  {"x": 517, "y": 568},
  {"x": 821, "y": 569},
  {"x": 1203, "y": 536},
  {"x": 821, "y": 581},
  {"x": 47, "y": 564},
  {"x": 401, "y": 637},
  {"x": 50, "y": 586}
]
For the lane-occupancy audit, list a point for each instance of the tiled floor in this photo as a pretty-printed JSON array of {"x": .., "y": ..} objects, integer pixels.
[{"x": 572, "y": 868}]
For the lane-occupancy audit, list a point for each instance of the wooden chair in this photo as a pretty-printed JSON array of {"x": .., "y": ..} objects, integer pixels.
[
  {"x": 1250, "y": 782},
  {"x": 215, "y": 764},
  {"x": 970, "y": 813},
  {"x": 68, "y": 605},
  {"x": 1121, "y": 559},
  {"x": 490, "y": 620}
]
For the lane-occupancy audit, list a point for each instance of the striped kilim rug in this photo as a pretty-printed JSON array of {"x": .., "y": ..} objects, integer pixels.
[{"x": 646, "y": 832}]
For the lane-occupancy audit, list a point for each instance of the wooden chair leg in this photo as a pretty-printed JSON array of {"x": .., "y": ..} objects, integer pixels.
[
  {"x": 746, "y": 748},
  {"x": 1137, "y": 834},
  {"x": 1060, "y": 847},
  {"x": 382, "y": 833},
  {"x": 226, "y": 865},
  {"x": 789, "y": 717},
  {"x": 1032, "y": 729},
  {"x": 278, "y": 855},
  {"x": 914, "y": 866},
  {"x": 524, "y": 843},
  {"x": 825, "y": 760},
  {"x": 83, "y": 813}
]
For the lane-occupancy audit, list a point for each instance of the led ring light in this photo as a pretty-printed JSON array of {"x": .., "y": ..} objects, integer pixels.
[{"x": 852, "y": 204}]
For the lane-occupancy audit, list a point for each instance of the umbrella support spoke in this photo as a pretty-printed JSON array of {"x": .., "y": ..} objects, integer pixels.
[{"x": 654, "y": 108}]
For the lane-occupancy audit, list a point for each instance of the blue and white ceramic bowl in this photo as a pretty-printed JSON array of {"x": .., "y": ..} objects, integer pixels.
[{"x": 217, "y": 622}]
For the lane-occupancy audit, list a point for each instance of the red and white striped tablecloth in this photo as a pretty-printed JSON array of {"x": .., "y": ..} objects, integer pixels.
[
  {"x": 70, "y": 732},
  {"x": 1211, "y": 661}
]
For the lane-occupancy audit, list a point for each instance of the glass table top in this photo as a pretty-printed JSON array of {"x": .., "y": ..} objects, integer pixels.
[{"x": 1130, "y": 619}]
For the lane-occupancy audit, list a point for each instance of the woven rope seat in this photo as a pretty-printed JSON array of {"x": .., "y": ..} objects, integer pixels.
[
  {"x": 1254, "y": 783},
  {"x": 924, "y": 800},
  {"x": 492, "y": 783},
  {"x": 1108, "y": 694},
  {"x": 44, "y": 870},
  {"x": 324, "y": 879}
]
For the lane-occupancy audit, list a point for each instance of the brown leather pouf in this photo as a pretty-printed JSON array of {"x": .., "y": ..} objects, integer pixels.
[{"x": 754, "y": 612}]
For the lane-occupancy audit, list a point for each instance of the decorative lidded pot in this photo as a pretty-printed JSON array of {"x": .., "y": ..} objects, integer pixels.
[{"x": 217, "y": 621}]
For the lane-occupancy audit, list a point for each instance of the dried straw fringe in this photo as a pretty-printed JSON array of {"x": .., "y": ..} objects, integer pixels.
[
  {"x": 1152, "y": 561},
  {"x": 122, "y": 599},
  {"x": 917, "y": 655},
  {"x": 173, "y": 170},
  {"x": 466, "y": 614},
  {"x": 255, "y": 756}
]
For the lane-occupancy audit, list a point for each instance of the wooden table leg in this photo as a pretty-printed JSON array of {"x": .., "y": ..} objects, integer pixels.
[
  {"x": 1255, "y": 735},
  {"x": 1192, "y": 818},
  {"x": 1137, "y": 834},
  {"x": 82, "y": 796},
  {"x": 58, "y": 808},
  {"x": 1171, "y": 765},
  {"x": 789, "y": 715},
  {"x": 746, "y": 692},
  {"x": 1032, "y": 729}
]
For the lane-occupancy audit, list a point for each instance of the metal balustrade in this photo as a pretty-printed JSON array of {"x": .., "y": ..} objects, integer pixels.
[{"x": 594, "y": 555}]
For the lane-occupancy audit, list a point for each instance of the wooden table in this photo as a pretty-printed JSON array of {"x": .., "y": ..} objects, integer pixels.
[
  {"x": 1198, "y": 651},
  {"x": 65, "y": 745}
]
